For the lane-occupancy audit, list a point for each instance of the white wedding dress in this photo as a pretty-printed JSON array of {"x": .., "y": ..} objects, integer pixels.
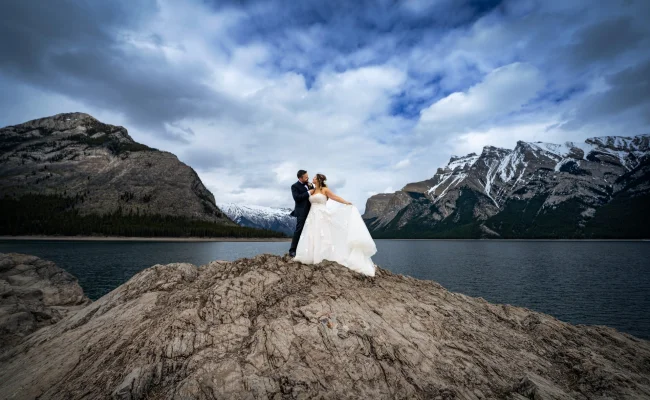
[{"x": 337, "y": 235}]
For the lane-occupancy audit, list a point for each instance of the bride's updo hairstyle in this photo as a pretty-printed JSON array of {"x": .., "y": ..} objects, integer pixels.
[{"x": 321, "y": 180}]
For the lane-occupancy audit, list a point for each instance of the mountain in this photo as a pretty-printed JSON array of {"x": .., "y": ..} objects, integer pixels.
[
  {"x": 275, "y": 219},
  {"x": 271, "y": 328},
  {"x": 596, "y": 189},
  {"x": 72, "y": 174}
]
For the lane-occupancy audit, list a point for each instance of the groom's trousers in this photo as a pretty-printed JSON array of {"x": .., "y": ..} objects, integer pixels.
[{"x": 300, "y": 223}]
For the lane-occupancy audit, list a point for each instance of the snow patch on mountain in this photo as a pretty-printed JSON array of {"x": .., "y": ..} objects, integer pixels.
[
  {"x": 561, "y": 163},
  {"x": 462, "y": 162},
  {"x": 627, "y": 150},
  {"x": 639, "y": 143},
  {"x": 508, "y": 167},
  {"x": 453, "y": 169},
  {"x": 558, "y": 150},
  {"x": 253, "y": 216}
]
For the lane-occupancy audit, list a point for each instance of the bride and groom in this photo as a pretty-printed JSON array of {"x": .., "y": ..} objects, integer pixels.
[{"x": 338, "y": 235}]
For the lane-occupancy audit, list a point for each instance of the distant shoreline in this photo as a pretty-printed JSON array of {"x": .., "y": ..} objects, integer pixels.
[{"x": 143, "y": 239}]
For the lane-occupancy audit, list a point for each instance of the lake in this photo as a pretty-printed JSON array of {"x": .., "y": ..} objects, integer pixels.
[{"x": 582, "y": 282}]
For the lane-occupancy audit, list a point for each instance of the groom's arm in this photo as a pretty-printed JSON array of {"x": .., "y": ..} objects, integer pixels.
[{"x": 298, "y": 196}]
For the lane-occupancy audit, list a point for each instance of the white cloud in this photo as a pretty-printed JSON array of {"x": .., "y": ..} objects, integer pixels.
[
  {"x": 403, "y": 163},
  {"x": 504, "y": 90}
]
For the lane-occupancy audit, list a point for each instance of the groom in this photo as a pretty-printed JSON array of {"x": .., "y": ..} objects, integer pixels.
[{"x": 300, "y": 192}]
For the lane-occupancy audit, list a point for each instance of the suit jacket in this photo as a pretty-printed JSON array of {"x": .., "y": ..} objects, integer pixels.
[{"x": 301, "y": 197}]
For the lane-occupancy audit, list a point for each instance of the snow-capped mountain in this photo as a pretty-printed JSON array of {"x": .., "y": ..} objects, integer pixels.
[
  {"x": 535, "y": 190},
  {"x": 276, "y": 219}
]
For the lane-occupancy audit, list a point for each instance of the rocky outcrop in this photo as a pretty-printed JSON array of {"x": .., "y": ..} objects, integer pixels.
[
  {"x": 271, "y": 328},
  {"x": 34, "y": 293},
  {"x": 376, "y": 205},
  {"x": 101, "y": 169},
  {"x": 536, "y": 190}
]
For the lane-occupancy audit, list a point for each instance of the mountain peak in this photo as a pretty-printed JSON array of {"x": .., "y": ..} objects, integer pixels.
[
  {"x": 622, "y": 143},
  {"x": 494, "y": 151},
  {"x": 72, "y": 117},
  {"x": 68, "y": 125},
  {"x": 560, "y": 150},
  {"x": 462, "y": 161},
  {"x": 454, "y": 158}
]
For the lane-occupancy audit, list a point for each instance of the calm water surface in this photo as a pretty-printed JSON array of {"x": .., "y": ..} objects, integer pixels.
[{"x": 603, "y": 283}]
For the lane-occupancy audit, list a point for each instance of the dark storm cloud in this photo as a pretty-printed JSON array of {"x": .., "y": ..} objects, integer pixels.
[
  {"x": 258, "y": 179},
  {"x": 604, "y": 40},
  {"x": 207, "y": 160},
  {"x": 365, "y": 17},
  {"x": 184, "y": 130},
  {"x": 32, "y": 34},
  {"x": 628, "y": 90},
  {"x": 310, "y": 34},
  {"x": 76, "y": 49},
  {"x": 575, "y": 47}
]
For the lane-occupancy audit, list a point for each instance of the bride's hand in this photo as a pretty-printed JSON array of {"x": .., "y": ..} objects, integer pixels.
[{"x": 312, "y": 191}]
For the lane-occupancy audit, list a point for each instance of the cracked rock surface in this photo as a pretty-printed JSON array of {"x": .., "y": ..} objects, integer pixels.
[
  {"x": 34, "y": 293},
  {"x": 271, "y": 328}
]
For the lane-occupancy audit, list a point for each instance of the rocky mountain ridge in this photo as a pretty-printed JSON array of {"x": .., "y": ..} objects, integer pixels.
[
  {"x": 534, "y": 190},
  {"x": 271, "y": 328},
  {"x": 102, "y": 167},
  {"x": 252, "y": 216}
]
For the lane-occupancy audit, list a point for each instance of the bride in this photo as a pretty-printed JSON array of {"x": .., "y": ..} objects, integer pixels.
[{"x": 338, "y": 235}]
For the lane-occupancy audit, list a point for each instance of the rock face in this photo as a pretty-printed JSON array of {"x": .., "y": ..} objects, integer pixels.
[
  {"x": 34, "y": 293},
  {"x": 274, "y": 219},
  {"x": 102, "y": 168},
  {"x": 599, "y": 188},
  {"x": 271, "y": 328}
]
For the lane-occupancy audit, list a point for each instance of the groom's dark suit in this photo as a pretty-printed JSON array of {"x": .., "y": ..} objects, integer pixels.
[{"x": 301, "y": 197}]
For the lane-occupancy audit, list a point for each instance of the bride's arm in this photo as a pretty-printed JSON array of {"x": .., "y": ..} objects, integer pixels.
[{"x": 334, "y": 197}]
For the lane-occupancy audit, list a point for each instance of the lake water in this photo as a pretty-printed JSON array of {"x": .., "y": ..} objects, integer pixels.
[{"x": 588, "y": 282}]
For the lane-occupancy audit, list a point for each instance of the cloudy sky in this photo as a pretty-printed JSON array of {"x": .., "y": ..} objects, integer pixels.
[{"x": 374, "y": 94}]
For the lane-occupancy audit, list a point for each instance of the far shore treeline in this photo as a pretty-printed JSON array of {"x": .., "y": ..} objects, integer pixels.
[{"x": 35, "y": 214}]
